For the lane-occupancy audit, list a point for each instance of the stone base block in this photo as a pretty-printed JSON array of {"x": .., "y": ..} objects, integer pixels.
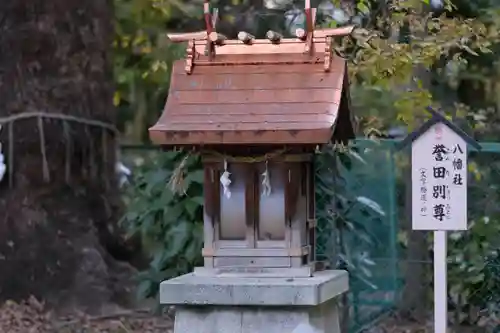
[
  {"x": 215, "y": 304},
  {"x": 245, "y": 319}
]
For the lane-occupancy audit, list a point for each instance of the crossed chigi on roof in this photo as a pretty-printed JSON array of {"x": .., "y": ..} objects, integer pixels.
[{"x": 257, "y": 91}]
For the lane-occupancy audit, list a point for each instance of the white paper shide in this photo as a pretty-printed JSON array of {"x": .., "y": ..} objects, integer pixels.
[{"x": 439, "y": 180}]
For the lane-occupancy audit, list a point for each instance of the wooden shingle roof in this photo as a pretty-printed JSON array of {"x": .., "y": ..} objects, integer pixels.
[{"x": 290, "y": 91}]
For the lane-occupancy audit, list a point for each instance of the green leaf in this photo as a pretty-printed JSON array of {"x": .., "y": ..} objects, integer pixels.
[
  {"x": 357, "y": 156},
  {"x": 158, "y": 259},
  {"x": 147, "y": 222},
  {"x": 167, "y": 196},
  {"x": 191, "y": 207},
  {"x": 372, "y": 204},
  {"x": 144, "y": 289},
  {"x": 176, "y": 238},
  {"x": 173, "y": 213},
  {"x": 200, "y": 200},
  {"x": 363, "y": 7},
  {"x": 194, "y": 177},
  {"x": 131, "y": 216}
]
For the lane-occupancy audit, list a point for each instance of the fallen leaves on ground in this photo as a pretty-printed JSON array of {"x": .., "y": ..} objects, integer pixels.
[{"x": 31, "y": 316}]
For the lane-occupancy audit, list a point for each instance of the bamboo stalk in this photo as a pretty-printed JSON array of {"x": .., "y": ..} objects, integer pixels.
[
  {"x": 323, "y": 33},
  {"x": 186, "y": 36},
  {"x": 334, "y": 32}
]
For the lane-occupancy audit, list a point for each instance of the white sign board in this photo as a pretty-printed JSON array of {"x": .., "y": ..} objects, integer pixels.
[{"x": 439, "y": 180}]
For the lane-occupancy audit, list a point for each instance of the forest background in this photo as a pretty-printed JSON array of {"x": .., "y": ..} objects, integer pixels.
[{"x": 74, "y": 75}]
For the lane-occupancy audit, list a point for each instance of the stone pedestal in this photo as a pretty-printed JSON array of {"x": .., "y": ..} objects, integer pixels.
[{"x": 256, "y": 305}]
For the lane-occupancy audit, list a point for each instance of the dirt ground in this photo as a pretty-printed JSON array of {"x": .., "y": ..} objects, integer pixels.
[
  {"x": 31, "y": 316},
  {"x": 393, "y": 323}
]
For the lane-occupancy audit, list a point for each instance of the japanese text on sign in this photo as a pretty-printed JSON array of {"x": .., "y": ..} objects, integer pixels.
[
  {"x": 441, "y": 191},
  {"x": 439, "y": 171}
]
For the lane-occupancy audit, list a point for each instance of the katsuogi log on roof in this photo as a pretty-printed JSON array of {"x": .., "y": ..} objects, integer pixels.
[{"x": 257, "y": 91}]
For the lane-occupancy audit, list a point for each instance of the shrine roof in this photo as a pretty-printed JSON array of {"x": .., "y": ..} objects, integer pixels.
[
  {"x": 257, "y": 91},
  {"x": 253, "y": 104}
]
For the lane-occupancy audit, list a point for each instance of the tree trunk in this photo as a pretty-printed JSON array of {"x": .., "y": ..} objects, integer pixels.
[{"x": 59, "y": 196}]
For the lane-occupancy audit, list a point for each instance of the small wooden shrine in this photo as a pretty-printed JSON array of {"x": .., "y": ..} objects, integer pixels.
[{"x": 256, "y": 109}]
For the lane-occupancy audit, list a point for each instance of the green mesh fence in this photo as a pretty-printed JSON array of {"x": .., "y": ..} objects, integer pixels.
[
  {"x": 401, "y": 277},
  {"x": 370, "y": 177}
]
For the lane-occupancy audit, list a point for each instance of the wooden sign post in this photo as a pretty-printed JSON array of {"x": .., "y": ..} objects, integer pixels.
[{"x": 439, "y": 194}]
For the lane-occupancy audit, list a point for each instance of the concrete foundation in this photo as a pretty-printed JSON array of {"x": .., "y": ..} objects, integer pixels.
[{"x": 256, "y": 305}]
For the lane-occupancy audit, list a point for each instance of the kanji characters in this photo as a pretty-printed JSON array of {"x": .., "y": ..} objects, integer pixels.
[
  {"x": 423, "y": 191},
  {"x": 439, "y": 172},
  {"x": 440, "y": 191},
  {"x": 457, "y": 179},
  {"x": 457, "y": 164},
  {"x": 447, "y": 158},
  {"x": 439, "y": 152},
  {"x": 439, "y": 213},
  {"x": 457, "y": 149}
]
